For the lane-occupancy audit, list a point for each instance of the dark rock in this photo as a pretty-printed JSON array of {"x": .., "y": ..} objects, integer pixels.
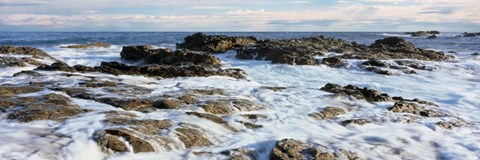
[
  {"x": 356, "y": 92},
  {"x": 355, "y": 121},
  {"x": 251, "y": 125},
  {"x": 128, "y": 104},
  {"x": 432, "y": 37},
  {"x": 290, "y": 149},
  {"x": 413, "y": 108},
  {"x": 215, "y": 43},
  {"x": 27, "y": 73},
  {"x": 333, "y": 61},
  {"x": 188, "y": 99},
  {"x": 423, "y": 33},
  {"x": 90, "y": 45},
  {"x": 379, "y": 71},
  {"x": 136, "y": 53},
  {"x": 328, "y": 113},
  {"x": 117, "y": 68},
  {"x": 475, "y": 54},
  {"x": 469, "y": 34},
  {"x": 109, "y": 140},
  {"x": 375, "y": 62},
  {"x": 168, "y": 56}
]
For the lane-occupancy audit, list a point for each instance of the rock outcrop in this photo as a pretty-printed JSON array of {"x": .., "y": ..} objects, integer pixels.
[
  {"x": 289, "y": 149},
  {"x": 423, "y": 33},
  {"x": 164, "y": 71},
  {"x": 168, "y": 56},
  {"x": 215, "y": 43}
]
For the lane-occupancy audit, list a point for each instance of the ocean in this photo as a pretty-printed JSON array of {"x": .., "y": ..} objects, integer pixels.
[{"x": 454, "y": 85}]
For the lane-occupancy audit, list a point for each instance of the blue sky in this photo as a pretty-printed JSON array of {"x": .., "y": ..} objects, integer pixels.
[{"x": 239, "y": 15}]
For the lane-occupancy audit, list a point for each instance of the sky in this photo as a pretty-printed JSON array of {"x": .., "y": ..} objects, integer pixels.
[{"x": 239, "y": 15}]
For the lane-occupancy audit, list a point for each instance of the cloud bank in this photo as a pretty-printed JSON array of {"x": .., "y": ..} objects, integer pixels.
[{"x": 239, "y": 15}]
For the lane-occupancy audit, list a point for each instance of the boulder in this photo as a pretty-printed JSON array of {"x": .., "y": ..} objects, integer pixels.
[
  {"x": 11, "y": 62},
  {"x": 218, "y": 107},
  {"x": 333, "y": 61},
  {"x": 358, "y": 93},
  {"x": 413, "y": 108},
  {"x": 192, "y": 137},
  {"x": 168, "y": 56},
  {"x": 214, "y": 43},
  {"x": 34, "y": 52},
  {"x": 328, "y": 113},
  {"x": 466, "y": 34},
  {"x": 290, "y": 149}
]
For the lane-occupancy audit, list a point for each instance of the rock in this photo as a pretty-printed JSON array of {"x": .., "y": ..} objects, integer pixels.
[
  {"x": 449, "y": 125},
  {"x": 251, "y": 125},
  {"x": 34, "y": 52},
  {"x": 210, "y": 117},
  {"x": 375, "y": 62},
  {"x": 10, "y": 90},
  {"x": 188, "y": 99},
  {"x": 99, "y": 84},
  {"x": 275, "y": 89},
  {"x": 296, "y": 51},
  {"x": 379, "y": 71},
  {"x": 356, "y": 92},
  {"x": 168, "y": 104},
  {"x": 47, "y": 107},
  {"x": 475, "y": 54},
  {"x": 214, "y": 43},
  {"x": 290, "y": 149},
  {"x": 128, "y": 104},
  {"x": 413, "y": 108},
  {"x": 218, "y": 107},
  {"x": 246, "y": 105},
  {"x": 466, "y": 34},
  {"x": 255, "y": 116},
  {"x": 432, "y": 37},
  {"x": 192, "y": 137},
  {"x": 423, "y": 33},
  {"x": 11, "y": 62},
  {"x": 154, "y": 70},
  {"x": 168, "y": 56},
  {"x": 27, "y": 73},
  {"x": 333, "y": 61},
  {"x": 109, "y": 140},
  {"x": 395, "y": 48},
  {"x": 328, "y": 113},
  {"x": 355, "y": 121},
  {"x": 90, "y": 45}
]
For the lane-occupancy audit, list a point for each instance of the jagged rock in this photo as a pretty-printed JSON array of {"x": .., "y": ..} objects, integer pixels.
[
  {"x": 466, "y": 34},
  {"x": 47, "y": 107},
  {"x": 246, "y": 105},
  {"x": 168, "y": 56},
  {"x": 296, "y": 51},
  {"x": 254, "y": 116},
  {"x": 379, "y": 70},
  {"x": 251, "y": 125},
  {"x": 218, "y": 107},
  {"x": 90, "y": 45},
  {"x": 188, "y": 99},
  {"x": 394, "y": 48},
  {"x": 128, "y": 104},
  {"x": 168, "y": 104},
  {"x": 449, "y": 125},
  {"x": 354, "y": 121},
  {"x": 356, "y": 92},
  {"x": 192, "y": 137},
  {"x": 375, "y": 62},
  {"x": 210, "y": 117},
  {"x": 333, "y": 61},
  {"x": 117, "y": 68},
  {"x": 413, "y": 108},
  {"x": 423, "y": 33},
  {"x": 215, "y": 43},
  {"x": 328, "y": 113},
  {"x": 289, "y": 149},
  {"x": 432, "y": 37}
]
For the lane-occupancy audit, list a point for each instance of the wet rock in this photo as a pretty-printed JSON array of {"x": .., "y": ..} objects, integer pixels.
[
  {"x": 432, "y": 37},
  {"x": 47, "y": 107},
  {"x": 218, "y": 107},
  {"x": 413, "y": 108},
  {"x": 379, "y": 70},
  {"x": 34, "y": 52},
  {"x": 288, "y": 149},
  {"x": 192, "y": 137},
  {"x": 395, "y": 48},
  {"x": 475, "y": 54},
  {"x": 375, "y": 62},
  {"x": 355, "y": 121},
  {"x": 144, "y": 105},
  {"x": 99, "y": 84},
  {"x": 333, "y": 61},
  {"x": 27, "y": 73},
  {"x": 90, "y": 45},
  {"x": 251, "y": 125},
  {"x": 188, "y": 99},
  {"x": 109, "y": 140},
  {"x": 117, "y": 68},
  {"x": 449, "y": 125},
  {"x": 10, "y": 90},
  {"x": 168, "y": 104},
  {"x": 215, "y": 43},
  {"x": 11, "y": 62},
  {"x": 275, "y": 89},
  {"x": 206, "y": 91},
  {"x": 168, "y": 56},
  {"x": 210, "y": 117},
  {"x": 295, "y": 52},
  {"x": 328, "y": 113},
  {"x": 246, "y": 105},
  {"x": 356, "y": 92},
  {"x": 254, "y": 116}
]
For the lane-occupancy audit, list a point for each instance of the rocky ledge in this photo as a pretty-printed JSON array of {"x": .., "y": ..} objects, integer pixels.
[
  {"x": 11, "y": 56},
  {"x": 215, "y": 43},
  {"x": 89, "y": 45}
]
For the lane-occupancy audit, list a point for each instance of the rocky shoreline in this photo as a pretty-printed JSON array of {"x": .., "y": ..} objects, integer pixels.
[{"x": 125, "y": 131}]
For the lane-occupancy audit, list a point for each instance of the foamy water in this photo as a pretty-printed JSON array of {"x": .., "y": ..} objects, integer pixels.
[{"x": 453, "y": 85}]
